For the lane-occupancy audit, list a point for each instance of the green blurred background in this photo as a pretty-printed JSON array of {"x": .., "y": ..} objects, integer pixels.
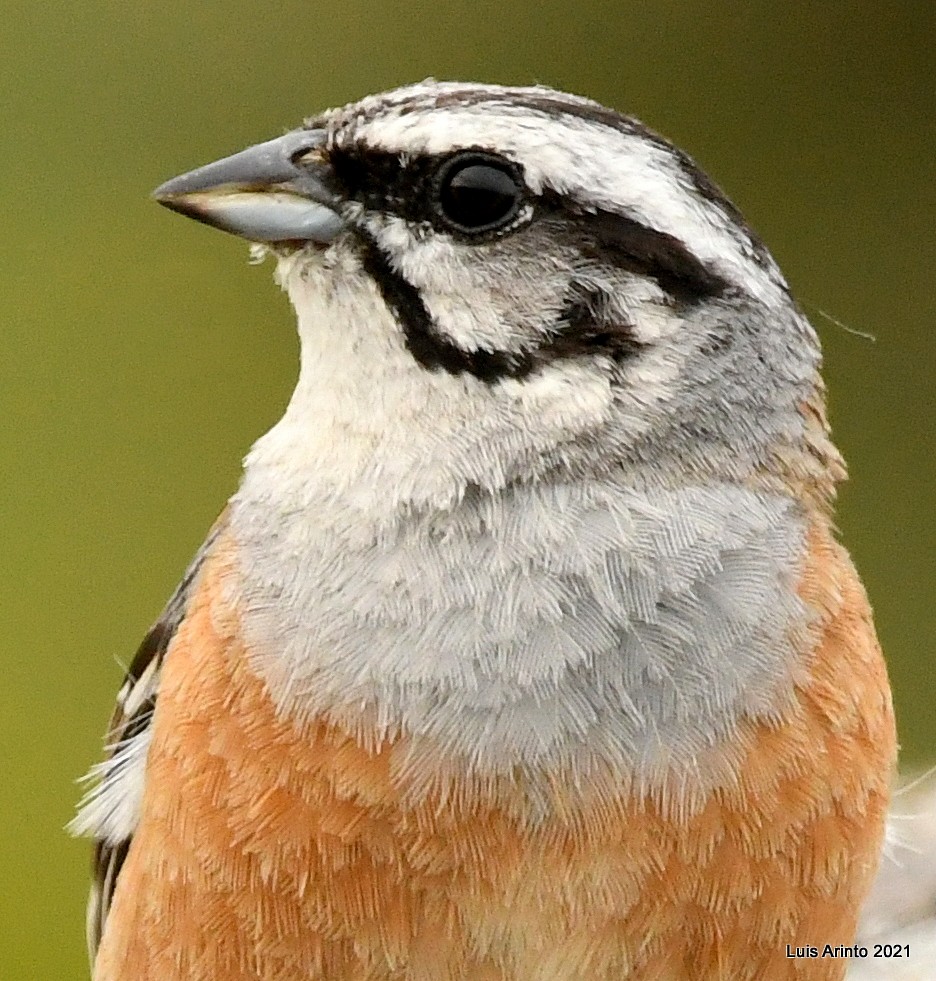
[{"x": 140, "y": 355}]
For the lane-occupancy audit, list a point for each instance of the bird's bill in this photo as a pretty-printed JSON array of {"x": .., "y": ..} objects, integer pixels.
[{"x": 272, "y": 192}]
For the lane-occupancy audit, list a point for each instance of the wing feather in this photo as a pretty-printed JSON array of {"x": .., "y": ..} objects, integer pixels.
[{"x": 109, "y": 812}]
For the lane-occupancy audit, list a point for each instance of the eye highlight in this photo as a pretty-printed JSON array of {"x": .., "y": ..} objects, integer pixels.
[{"x": 478, "y": 192}]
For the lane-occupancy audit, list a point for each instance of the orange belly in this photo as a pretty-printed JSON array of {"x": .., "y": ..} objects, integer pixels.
[{"x": 272, "y": 851}]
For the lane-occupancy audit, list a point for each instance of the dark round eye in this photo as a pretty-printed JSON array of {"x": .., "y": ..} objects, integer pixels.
[{"x": 478, "y": 192}]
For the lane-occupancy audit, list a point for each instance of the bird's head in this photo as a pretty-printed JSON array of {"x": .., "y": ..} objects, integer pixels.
[{"x": 498, "y": 284}]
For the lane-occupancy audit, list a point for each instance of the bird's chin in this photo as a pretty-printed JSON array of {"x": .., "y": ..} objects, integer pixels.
[
  {"x": 288, "y": 249},
  {"x": 298, "y": 245}
]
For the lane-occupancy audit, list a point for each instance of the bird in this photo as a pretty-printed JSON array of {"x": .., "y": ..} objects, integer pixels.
[{"x": 526, "y": 649}]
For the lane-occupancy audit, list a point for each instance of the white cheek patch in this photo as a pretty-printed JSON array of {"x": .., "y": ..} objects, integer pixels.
[
  {"x": 477, "y": 301},
  {"x": 495, "y": 302}
]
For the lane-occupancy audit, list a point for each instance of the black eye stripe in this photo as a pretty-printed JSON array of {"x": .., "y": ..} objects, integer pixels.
[
  {"x": 408, "y": 188},
  {"x": 382, "y": 181},
  {"x": 628, "y": 244}
]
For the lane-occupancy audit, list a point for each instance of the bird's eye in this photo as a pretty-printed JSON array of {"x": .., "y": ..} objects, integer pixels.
[{"x": 478, "y": 192}]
